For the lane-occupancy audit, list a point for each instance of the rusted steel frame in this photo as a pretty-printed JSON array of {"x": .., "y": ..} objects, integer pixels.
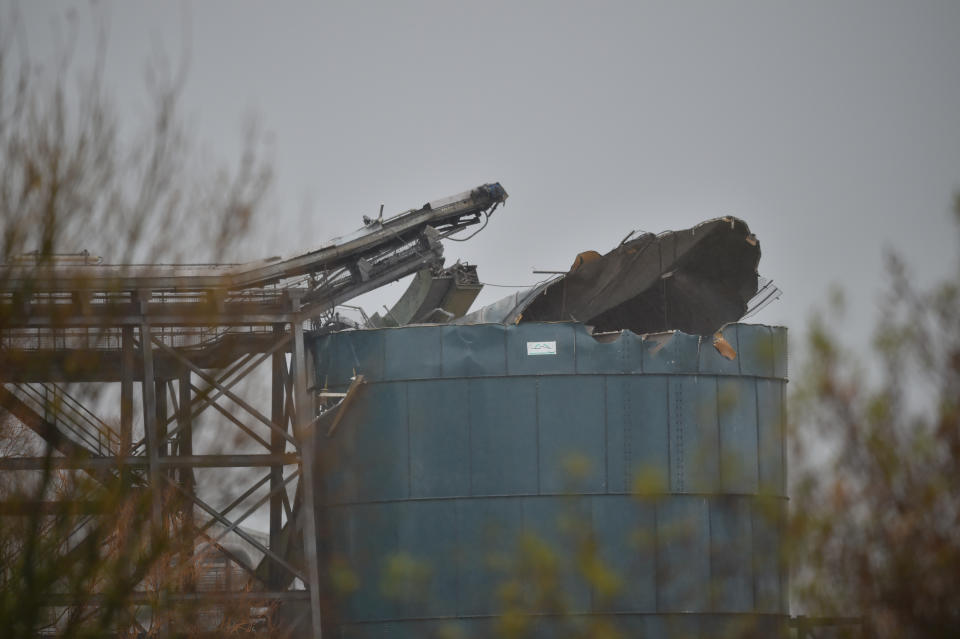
[
  {"x": 206, "y": 396},
  {"x": 305, "y": 431},
  {"x": 279, "y": 382},
  {"x": 172, "y": 398},
  {"x": 90, "y": 462},
  {"x": 126, "y": 389},
  {"x": 146, "y": 598},
  {"x": 246, "y": 514},
  {"x": 249, "y": 511},
  {"x": 185, "y": 450},
  {"x": 210, "y": 510},
  {"x": 29, "y": 418},
  {"x": 70, "y": 412},
  {"x": 233, "y": 418},
  {"x": 230, "y": 461},
  {"x": 288, "y": 511},
  {"x": 160, "y": 395},
  {"x": 28, "y": 507},
  {"x": 203, "y": 395},
  {"x": 233, "y": 396},
  {"x": 197, "y": 400},
  {"x": 150, "y": 429},
  {"x": 290, "y": 407},
  {"x": 239, "y": 500},
  {"x": 232, "y": 556},
  {"x": 44, "y": 316}
]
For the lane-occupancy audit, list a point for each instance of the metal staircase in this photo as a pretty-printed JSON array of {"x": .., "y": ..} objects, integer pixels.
[{"x": 67, "y": 417}]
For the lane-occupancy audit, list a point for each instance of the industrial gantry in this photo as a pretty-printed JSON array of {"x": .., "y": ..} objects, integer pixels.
[{"x": 188, "y": 335}]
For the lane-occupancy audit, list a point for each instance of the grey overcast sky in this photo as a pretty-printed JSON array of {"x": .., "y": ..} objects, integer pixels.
[{"x": 832, "y": 128}]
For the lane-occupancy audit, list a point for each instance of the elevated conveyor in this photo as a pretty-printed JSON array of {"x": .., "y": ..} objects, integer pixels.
[
  {"x": 382, "y": 244},
  {"x": 61, "y": 321}
]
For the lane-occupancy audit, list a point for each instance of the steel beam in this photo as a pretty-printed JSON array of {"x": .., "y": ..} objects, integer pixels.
[
  {"x": 159, "y": 314},
  {"x": 208, "y": 398},
  {"x": 233, "y": 396},
  {"x": 160, "y": 396},
  {"x": 126, "y": 390},
  {"x": 213, "y": 512},
  {"x": 277, "y": 446},
  {"x": 304, "y": 431},
  {"x": 147, "y": 598},
  {"x": 239, "y": 424},
  {"x": 202, "y": 398},
  {"x": 150, "y": 429},
  {"x": 239, "y": 500},
  {"x": 249, "y": 511},
  {"x": 141, "y": 461},
  {"x": 185, "y": 452}
]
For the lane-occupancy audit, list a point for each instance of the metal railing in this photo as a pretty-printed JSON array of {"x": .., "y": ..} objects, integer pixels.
[{"x": 69, "y": 416}]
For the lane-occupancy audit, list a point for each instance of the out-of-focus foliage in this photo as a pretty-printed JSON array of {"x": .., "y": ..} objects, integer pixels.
[
  {"x": 75, "y": 176},
  {"x": 876, "y": 466}
]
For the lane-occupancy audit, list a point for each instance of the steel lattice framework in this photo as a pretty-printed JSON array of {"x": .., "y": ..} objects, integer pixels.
[{"x": 189, "y": 335}]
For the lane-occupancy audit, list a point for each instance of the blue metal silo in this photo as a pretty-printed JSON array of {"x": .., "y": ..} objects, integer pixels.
[{"x": 658, "y": 457}]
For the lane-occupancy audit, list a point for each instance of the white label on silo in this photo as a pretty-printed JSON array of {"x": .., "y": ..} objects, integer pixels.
[{"x": 541, "y": 348}]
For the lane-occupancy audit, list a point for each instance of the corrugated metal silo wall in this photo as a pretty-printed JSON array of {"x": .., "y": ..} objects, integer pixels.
[{"x": 640, "y": 481}]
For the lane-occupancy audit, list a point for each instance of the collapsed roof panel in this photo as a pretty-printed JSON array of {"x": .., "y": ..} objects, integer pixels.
[{"x": 695, "y": 280}]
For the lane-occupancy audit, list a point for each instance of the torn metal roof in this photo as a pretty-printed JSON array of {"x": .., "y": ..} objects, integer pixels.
[{"x": 695, "y": 281}]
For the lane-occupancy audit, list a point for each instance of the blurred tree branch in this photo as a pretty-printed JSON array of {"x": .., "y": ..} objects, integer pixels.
[
  {"x": 74, "y": 175},
  {"x": 69, "y": 177},
  {"x": 876, "y": 508}
]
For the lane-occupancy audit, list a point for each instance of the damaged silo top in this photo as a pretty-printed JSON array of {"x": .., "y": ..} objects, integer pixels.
[{"x": 695, "y": 281}]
